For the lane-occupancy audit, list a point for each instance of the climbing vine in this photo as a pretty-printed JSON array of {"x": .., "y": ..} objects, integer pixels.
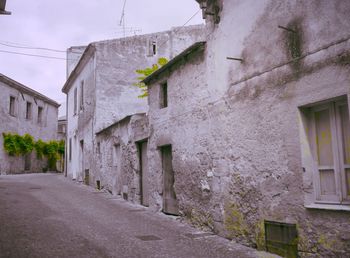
[
  {"x": 16, "y": 145},
  {"x": 146, "y": 72}
]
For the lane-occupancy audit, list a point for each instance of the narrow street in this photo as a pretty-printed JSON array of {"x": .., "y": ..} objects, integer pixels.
[{"x": 47, "y": 215}]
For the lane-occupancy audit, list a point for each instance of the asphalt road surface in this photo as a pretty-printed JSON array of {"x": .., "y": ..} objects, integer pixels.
[{"x": 47, "y": 215}]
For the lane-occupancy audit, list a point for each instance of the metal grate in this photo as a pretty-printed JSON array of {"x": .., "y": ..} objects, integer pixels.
[
  {"x": 281, "y": 238},
  {"x": 148, "y": 238}
]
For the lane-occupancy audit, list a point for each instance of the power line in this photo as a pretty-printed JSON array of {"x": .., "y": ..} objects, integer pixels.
[
  {"x": 42, "y": 56},
  {"x": 36, "y": 48},
  {"x": 181, "y": 26},
  {"x": 9, "y": 44}
]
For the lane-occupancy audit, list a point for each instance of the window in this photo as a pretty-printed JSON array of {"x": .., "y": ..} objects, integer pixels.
[
  {"x": 40, "y": 114},
  {"x": 329, "y": 136},
  {"x": 75, "y": 100},
  {"x": 163, "y": 95},
  {"x": 152, "y": 48},
  {"x": 116, "y": 155},
  {"x": 12, "y": 106},
  {"x": 82, "y": 95},
  {"x": 29, "y": 110},
  {"x": 61, "y": 128},
  {"x": 70, "y": 149},
  {"x": 98, "y": 148}
]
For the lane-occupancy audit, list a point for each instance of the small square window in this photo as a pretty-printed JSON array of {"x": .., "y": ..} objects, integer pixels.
[{"x": 163, "y": 95}]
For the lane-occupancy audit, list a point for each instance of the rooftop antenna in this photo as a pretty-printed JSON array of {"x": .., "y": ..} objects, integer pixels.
[{"x": 122, "y": 18}]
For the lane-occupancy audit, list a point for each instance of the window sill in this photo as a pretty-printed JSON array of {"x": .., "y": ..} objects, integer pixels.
[{"x": 334, "y": 207}]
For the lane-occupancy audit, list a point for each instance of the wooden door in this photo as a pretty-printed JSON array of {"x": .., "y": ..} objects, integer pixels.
[
  {"x": 170, "y": 205},
  {"x": 144, "y": 173}
]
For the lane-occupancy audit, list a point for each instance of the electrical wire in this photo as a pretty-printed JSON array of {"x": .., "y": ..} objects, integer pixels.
[
  {"x": 36, "y": 48},
  {"x": 16, "y": 45},
  {"x": 42, "y": 56},
  {"x": 21, "y": 46},
  {"x": 194, "y": 15}
]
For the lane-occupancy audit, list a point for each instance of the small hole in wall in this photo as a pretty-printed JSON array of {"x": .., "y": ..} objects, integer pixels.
[{"x": 98, "y": 184}]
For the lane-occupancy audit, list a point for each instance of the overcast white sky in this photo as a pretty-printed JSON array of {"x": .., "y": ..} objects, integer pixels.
[{"x": 61, "y": 24}]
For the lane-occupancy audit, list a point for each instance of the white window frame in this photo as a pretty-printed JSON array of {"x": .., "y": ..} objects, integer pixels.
[{"x": 341, "y": 196}]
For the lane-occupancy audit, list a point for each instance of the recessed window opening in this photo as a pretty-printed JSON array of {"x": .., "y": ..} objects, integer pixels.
[
  {"x": 29, "y": 110},
  {"x": 12, "y": 106},
  {"x": 82, "y": 95},
  {"x": 98, "y": 148},
  {"x": 70, "y": 149},
  {"x": 154, "y": 47},
  {"x": 40, "y": 114},
  {"x": 75, "y": 100},
  {"x": 163, "y": 95}
]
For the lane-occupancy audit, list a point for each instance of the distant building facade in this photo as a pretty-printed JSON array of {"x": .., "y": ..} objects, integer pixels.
[
  {"x": 100, "y": 90},
  {"x": 121, "y": 159},
  {"x": 61, "y": 128},
  {"x": 24, "y": 110}
]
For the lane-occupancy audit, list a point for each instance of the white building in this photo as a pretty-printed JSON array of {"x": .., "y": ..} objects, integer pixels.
[{"x": 23, "y": 110}]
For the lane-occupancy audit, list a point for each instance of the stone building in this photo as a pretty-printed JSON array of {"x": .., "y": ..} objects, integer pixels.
[
  {"x": 100, "y": 90},
  {"x": 23, "y": 110},
  {"x": 249, "y": 131},
  {"x": 61, "y": 128},
  {"x": 122, "y": 158}
]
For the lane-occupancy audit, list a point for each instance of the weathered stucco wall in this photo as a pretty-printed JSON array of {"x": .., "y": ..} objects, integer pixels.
[
  {"x": 45, "y": 130},
  {"x": 116, "y": 63},
  {"x": 109, "y": 93},
  {"x": 73, "y": 56},
  {"x": 80, "y": 122},
  {"x": 234, "y": 126},
  {"x": 118, "y": 164}
]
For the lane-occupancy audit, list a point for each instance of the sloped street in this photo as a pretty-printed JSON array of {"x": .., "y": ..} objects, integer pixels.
[{"x": 46, "y": 215}]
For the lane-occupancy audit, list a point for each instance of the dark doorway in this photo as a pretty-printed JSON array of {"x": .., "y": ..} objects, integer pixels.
[
  {"x": 27, "y": 162},
  {"x": 170, "y": 205},
  {"x": 81, "y": 156},
  {"x": 143, "y": 173}
]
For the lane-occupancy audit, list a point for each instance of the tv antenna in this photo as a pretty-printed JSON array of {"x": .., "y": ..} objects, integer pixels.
[{"x": 122, "y": 18}]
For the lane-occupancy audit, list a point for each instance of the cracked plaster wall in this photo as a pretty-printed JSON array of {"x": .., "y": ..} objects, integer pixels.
[
  {"x": 46, "y": 130},
  {"x": 235, "y": 136},
  {"x": 109, "y": 93}
]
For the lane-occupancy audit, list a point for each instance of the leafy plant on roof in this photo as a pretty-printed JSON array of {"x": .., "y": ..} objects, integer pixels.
[{"x": 147, "y": 72}]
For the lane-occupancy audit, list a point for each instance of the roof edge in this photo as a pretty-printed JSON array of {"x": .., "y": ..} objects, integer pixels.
[
  {"x": 89, "y": 51},
  {"x": 21, "y": 87},
  {"x": 118, "y": 121},
  {"x": 196, "y": 46}
]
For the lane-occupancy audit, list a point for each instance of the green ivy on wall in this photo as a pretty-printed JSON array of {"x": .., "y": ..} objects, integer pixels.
[{"x": 17, "y": 145}]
